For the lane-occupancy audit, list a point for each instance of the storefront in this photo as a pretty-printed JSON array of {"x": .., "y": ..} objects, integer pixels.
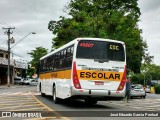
[
  {"x": 17, "y": 68},
  {"x": 4, "y": 66}
]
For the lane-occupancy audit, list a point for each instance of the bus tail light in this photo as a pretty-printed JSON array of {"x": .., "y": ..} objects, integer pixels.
[
  {"x": 123, "y": 81},
  {"x": 75, "y": 77}
]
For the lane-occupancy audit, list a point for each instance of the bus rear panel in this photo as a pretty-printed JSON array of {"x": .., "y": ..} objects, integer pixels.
[{"x": 99, "y": 69}]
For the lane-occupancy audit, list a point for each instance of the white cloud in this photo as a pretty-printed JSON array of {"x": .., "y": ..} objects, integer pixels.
[
  {"x": 29, "y": 16},
  {"x": 150, "y": 25},
  {"x": 34, "y": 15}
]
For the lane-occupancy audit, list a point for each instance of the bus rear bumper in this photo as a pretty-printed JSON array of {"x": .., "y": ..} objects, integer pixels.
[{"x": 96, "y": 93}]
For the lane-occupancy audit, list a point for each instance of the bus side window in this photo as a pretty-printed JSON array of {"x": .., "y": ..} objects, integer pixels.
[
  {"x": 69, "y": 56},
  {"x": 72, "y": 50},
  {"x": 64, "y": 59},
  {"x": 52, "y": 63},
  {"x": 57, "y": 61},
  {"x": 61, "y": 59},
  {"x": 61, "y": 54},
  {"x": 68, "y": 52},
  {"x": 41, "y": 66},
  {"x": 45, "y": 65}
]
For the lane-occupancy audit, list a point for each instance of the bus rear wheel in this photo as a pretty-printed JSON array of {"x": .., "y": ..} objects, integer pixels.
[
  {"x": 42, "y": 94},
  {"x": 55, "y": 99},
  {"x": 40, "y": 88}
]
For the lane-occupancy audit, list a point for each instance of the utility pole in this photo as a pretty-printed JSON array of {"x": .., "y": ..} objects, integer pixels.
[{"x": 8, "y": 32}]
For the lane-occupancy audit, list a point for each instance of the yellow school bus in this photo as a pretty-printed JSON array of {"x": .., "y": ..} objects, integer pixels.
[{"x": 92, "y": 69}]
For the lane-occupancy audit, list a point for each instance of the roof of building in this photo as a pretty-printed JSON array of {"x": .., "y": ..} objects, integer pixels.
[{"x": 3, "y": 49}]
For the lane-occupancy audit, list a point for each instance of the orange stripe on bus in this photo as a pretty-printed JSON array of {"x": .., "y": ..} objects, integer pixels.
[
  {"x": 99, "y": 75},
  {"x": 84, "y": 75},
  {"x": 64, "y": 74}
]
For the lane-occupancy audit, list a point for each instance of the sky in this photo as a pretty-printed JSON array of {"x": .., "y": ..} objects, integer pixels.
[{"x": 34, "y": 15}]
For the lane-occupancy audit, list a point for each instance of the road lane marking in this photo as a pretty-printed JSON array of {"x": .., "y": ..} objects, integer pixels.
[
  {"x": 13, "y": 107},
  {"x": 17, "y": 97},
  {"x": 17, "y": 93},
  {"x": 1, "y": 95},
  {"x": 20, "y": 101},
  {"x": 14, "y": 101},
  {"x": 44, "y": 118},
  {"x": 139, "y": 104},
  {"x": 30, "y": 109},
  {"x": 50, "y": 109}
]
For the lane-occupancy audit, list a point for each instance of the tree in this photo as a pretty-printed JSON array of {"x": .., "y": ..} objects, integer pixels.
[
  {"x": 113, "y": 19},
  {"x": 36, "y": 55},
  {"x": 147, "y": 59},
  {"x": 153, "y": 71},
  {"x": 149, "y": 72},
  {"x": 30, "y": 71}
]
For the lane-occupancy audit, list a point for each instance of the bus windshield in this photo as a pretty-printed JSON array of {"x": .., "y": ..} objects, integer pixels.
[{"x": 100, "y": 50}]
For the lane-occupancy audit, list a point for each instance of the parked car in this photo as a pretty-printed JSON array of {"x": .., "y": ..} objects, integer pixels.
[
  {"x": 31, "y": 82},
  {"x": 23, "y": 81},
  {"x": 137, "y": 90},
  {"x": 148, "y": 89},
  {"x": 17, "y": 80}
]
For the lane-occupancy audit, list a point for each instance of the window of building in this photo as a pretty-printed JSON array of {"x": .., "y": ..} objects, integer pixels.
[
  {"x": 1, "y": 55},
  {"x": 7, "y": 56}
]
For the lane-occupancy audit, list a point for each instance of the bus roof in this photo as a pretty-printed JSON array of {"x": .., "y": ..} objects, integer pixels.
[{"x": 73, "y": 41}]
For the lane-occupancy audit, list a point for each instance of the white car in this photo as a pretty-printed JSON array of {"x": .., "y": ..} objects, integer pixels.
[
  {"x": 31, "y": 82},
  {"x": 137, "y": 90},
  {"x": 17, "y": 80}
]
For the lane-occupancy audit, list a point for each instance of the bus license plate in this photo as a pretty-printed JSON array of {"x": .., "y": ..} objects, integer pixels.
[{"x": 99, "y": 83}]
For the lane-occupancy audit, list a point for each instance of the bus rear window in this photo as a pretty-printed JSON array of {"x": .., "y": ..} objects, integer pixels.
[{"x": 89, "y": 49}]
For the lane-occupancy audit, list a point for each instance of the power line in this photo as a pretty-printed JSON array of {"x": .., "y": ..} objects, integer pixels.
[
  {"x": 22, "y": 39},
  {"x": 26, "y": 42},
  {"x": 35, "y": 43},
  {"x": 18, "y": 32},
  {"x": 19, "y": 55},
  {"x": 8, "y": 32}
]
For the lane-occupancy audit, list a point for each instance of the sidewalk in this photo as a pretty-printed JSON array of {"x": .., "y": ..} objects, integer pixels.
[{"x": 12, "y": 86}]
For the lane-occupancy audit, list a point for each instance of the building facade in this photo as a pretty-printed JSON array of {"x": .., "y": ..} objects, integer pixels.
[{"x": 16, "y": 67}]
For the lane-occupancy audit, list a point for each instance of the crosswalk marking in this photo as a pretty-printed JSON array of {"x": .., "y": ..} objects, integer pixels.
[
  {"x": 18, "y": 93},
  {"x": 141, "y": 104},
  {"x": 20, "y": 101},
  {"x": 25, "y": 101}
]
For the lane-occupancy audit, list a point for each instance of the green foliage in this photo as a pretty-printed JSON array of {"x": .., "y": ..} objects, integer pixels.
[
  {"x": 148, "y": 72},
  {"x": 36, "y": 55},
  {"x": 157, "y": 89},
  {"x": 152, "y": 70},
  {"x": 111, "y": 19},
  {"x": 137, "y": 79},
  {"x": 30, "y": 72}
]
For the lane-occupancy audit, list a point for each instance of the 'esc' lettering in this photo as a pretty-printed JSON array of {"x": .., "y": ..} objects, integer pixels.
[{"x": 114, "y": 47}]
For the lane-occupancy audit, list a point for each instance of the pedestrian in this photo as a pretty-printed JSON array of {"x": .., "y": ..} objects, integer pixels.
[{"x": 128, "y": 89}]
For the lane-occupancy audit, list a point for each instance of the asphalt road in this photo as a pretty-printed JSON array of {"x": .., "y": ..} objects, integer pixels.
[
  {"x": 152, "y": 96},
  {"x": 77, "y": 109}
]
